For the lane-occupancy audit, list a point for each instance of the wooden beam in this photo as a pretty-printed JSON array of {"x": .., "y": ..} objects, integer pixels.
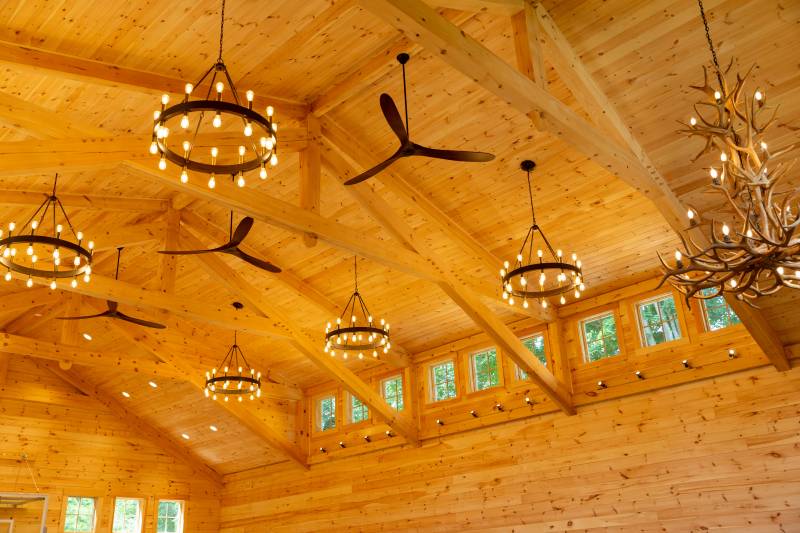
[
  {"x": 85, "y": 201},
  {"x": 510, "y": 344},
  {"x": 480, "y": 314},
  {"x": 762, "y": 332},
  {"x": 291, "y": 217},
  {"x": 84, "y": 153},
  {"x": 204, "y": 228},
  {"x": 342, "y": 155},
  {"x": 528, "y": 50},
  {"x": 112, "y": 237},
  {"x": 21, "y": 114},
  {"x": 496, "y": 7},
  {"x": 108, "y": 75},
  {"x": 139, "y": 425},
  {"x": 310, "y": 175},
  {"x": 399, "y": 421},
  {"x": 70, "y": 328},
  {"x": 19, "y": 345},
  {"x": 27, "y": 299},
  {"x": 3, "y": 369}
]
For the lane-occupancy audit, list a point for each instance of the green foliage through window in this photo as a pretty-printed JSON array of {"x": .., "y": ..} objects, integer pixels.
[
  {"x": 659, "y": 321},
  {"x": 170, "y": 517},
  {"x": 535, "y": 344},
  {"x": 127, "y": 516},
  {"x": 484, "y": 369},
  {"x": 443, "y": 381},
  {"x": 717, "y": 313},
  {"x": 358, "y": 410},
  {"x": 326, "y": 413},
  {"x": 600, "y": 337},
  {"x": 79, "y": 516},
  {"x": 393, "y": 392}
]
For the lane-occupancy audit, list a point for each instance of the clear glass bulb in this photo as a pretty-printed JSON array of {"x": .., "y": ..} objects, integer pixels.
[
  {"x": 217, "y": 122},
  {"x": 240, "y": 181},
  {"x": 220, "y": 86},
  {"x": 8, "y": 276},
  {"x": 214, "y": 152},
  {"x": 273, "y": 160},
  {"x": 185, "y": 121},
  {"x": 53, "y": 285},
  {"x": 212, "y": 182},
  {"x": 29, "y": 283},
  {"x": 162, "y": 164},
  {"x": 250, "y": 96},
  {"x": 270, "y": 110},
  {"x": 165, "y": 99},
  {"x": 262, "y": 173},
  {"x": 73, "y": 283},
  {"x": 153, "y": 148},
  {"x": 188, "y": 88},
  {"x": 248, "y": 130},
  {"x": 184, "y": 176}
]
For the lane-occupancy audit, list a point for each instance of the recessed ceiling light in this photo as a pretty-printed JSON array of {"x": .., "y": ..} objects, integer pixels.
[
  {"x": 37, "y": 315},
  {"x": 212, "y": 428},
  {"x": 126, "y": 394},
  {"x": 87, "y": 336},
  {"x": 153, "y": 384},
  {"x": 185, "y": 436}
]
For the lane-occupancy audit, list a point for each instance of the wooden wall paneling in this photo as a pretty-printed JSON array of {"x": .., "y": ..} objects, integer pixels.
[
  {"x": 69, "y": 328},
  {"x": 86, "y": 201},
  {"x": 169, "y": 263}
]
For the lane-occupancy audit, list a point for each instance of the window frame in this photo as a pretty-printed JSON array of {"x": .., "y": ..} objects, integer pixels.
[
  {"x": 140, "y": 515},
  {"x": 683, "y": 334},
  {"x": 350, "y": 421},
  {"x": 471, "y": 359},
  {"x": 429, "y": 371},
  {"x": 95, "y": 501},
  {"x": 317, "y": 418},
  {"x": 180, "y": 517},
  {"x": 705, "y": 319},
  {"x": 401, "y": 397},
  {"x": 548, "y": 360},
  {"x": 613, "y": 313}
]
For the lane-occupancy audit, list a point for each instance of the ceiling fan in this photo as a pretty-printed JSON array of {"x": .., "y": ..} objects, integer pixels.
[
  {"x": 232, "y": 246},
  {"x": 407, "y": 147},
  {"x": 113, "y": 312}
]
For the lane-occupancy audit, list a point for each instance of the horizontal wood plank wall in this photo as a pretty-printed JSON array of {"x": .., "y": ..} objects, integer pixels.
[
  {"x": 712, "y": 454},
  {"x": 76, "y": 447},
  {"x": 706, "y": 353}
]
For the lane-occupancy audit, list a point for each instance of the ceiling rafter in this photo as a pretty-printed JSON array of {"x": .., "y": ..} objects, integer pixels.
[
  {"x": 483, "y": 317},
  {"x": 85, "y": 201},
  {"x": 310, "y": 175},
  {"x": 109, "y": 75},
  {"x": 422, "y": 24},
  {"x": 139, "y": 425}
]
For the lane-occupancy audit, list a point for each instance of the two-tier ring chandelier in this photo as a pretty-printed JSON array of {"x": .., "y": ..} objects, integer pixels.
[
  {"x": 52, "y": 248},
  {"x": 355, "y": 331},
  {"x": 753, "y": 249},
  {"x": 234, "y": 376},
  {"x": 539, "y": 271},
  {"x": 177, "y": 129}
]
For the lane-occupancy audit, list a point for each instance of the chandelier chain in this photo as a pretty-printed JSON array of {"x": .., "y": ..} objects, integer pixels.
[
  {"x": 711, "y": 48},
  {"x": 221, "y": 29}
]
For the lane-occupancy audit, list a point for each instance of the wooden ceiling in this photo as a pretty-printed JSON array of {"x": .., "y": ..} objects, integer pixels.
[{"x": 329, "y": 60}]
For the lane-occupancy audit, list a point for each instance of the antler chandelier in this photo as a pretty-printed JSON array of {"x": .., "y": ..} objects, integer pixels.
[
  {"x": 234, "y": 376},
  {"x": 193, "y": 152},
  {"x": 50, "y": 252},
  {"x": 355, "y": 330},
  {"x": 544, "y": 275},
  {"x": 755, "y": 249}
]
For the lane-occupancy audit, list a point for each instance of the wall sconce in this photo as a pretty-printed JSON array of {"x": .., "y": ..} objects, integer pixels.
[
  {"x": 731, "y": 353},
  {"x": 323, "y": 450},
  {"x": 686, "y": 364},
  {"x": 528, "y": 400},
  {"x": 341, "y": 444},
  {"x": 639, "y": 374},
  {"x": 367, "y": 438},
  {"x": 440, "y": 421},
  {"x": 474, "y": 413},
  {"x": 389, "y": 433},
  {"x": 499, "y": 407},
  {"x": 601, "y": 385}
]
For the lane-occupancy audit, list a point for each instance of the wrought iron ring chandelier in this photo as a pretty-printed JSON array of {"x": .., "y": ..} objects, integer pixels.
[
  {"x": 234, "y": 376},
  {"x": 49, "y": 253},
  {"x": 258, "y": 148},
  {"x": 355, "y": 330},
  {"x": 552, "y": 274}
]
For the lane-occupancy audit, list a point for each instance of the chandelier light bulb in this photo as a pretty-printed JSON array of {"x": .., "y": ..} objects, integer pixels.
[
  {"x": 162, "y": 164},
  {"x": 262, "y": 173},
  {"x": 563, "y": 300},
  {"x": 153, "y": 148},
  {"x": 53, "y": 285},
  {"x": 217, "y": 122},
  {"x": 780, "y": 270},
  {"x": 212, "y": 182},
  {"x": 29, "y": 283},
  {"x": 733, "y": 283},
  {"x": 713, "y": 172},
  {"x": 693, "y": 121},
  {"x": 749, "y": 234},
  {"x": 184, "y": 176},
  {"x": 188, "y": 89},
  {"x": 29, "y": 250},
  {"x": 717, "y": 95},
  {"x": 164, "y": 99},
  {"x": 240, "y": 181},
  {"x": 544, "y": 304},
  {"x": 249, "y": 95},
  {"x": 156, "y": 115},
  {"x": 73, "y": 283},
  {"x": 273, "y": 160},
  {"x": 185, "y": 121},
  {"x": 763, "y": 146},
  {"x": 270, "y": 110},
  {"x": 248, "y": 130},
  {"x": 220, "y": 86},
  {"x": 214, "y": 152},
  {"x": 8, "y": 276},
  {"x": 725, "y": 230},
  {"x": 241, "y": 151},
  {"x": 525, "y": 303},
  {"x": 758, "y": 96},
  {"x": 678, "y": 256}
]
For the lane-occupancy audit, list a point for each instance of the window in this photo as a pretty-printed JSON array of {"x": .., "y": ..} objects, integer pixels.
[
  {"x": 326, "y": 413},
  {"x": 358, "y": 410},
  {"x": 392, "y": 389},
  {"x": 534, "y": 343},
  {"x": 717, "y": 313},
  {"x": 484, "y": 370},
  {"x": 170, "y": 516},
  {"x": 600, "y": 337},
  {"x": 127, "y": 516},
  {"x": 658, "y": 320},
  {"x": 443, "y": 381},
  {"x": 79, "y": 516}
]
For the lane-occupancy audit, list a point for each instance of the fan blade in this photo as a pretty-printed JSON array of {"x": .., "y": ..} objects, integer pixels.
[
  {"x": 392, "y": 116},
  {"x": 224, "y": 248},
  {"x": 264, "y": 265},
  {"x": 104, "y": 314},
  {"x": 377, "y": 168},
  {"x": 140, "y": 322},
  {"x": 242, "y": 230},
  {"x": 452, "y": 155},
  {"x": 112, "y": 306}
]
